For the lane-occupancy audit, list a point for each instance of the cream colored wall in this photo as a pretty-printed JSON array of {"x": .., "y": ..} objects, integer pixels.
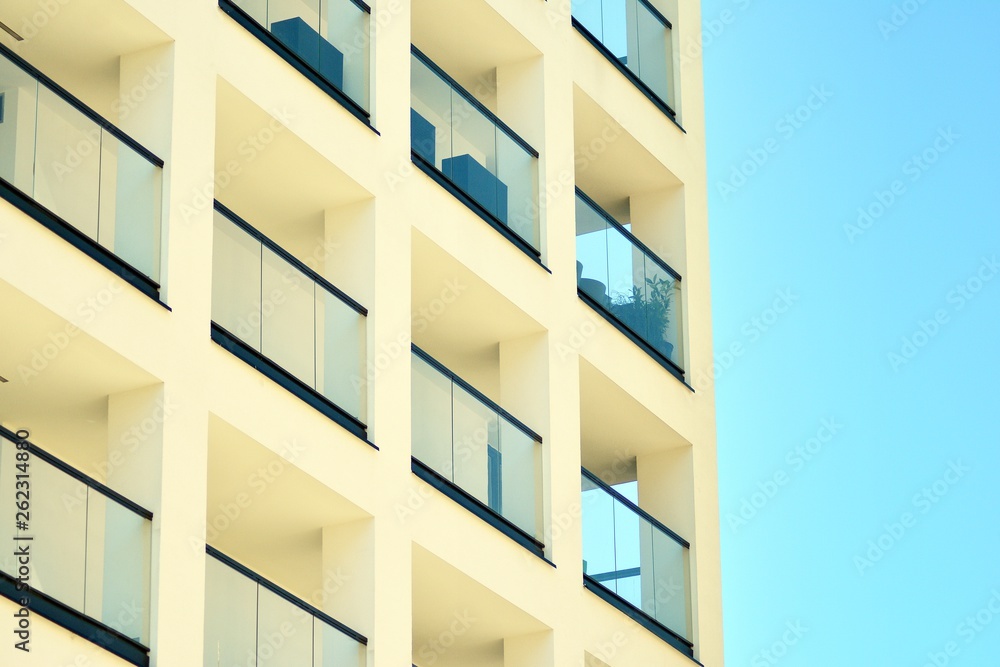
[{"x": 538, "y": 371}]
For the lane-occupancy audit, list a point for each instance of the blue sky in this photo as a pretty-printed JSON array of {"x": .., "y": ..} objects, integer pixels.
[{"x": 855, "y": 286}]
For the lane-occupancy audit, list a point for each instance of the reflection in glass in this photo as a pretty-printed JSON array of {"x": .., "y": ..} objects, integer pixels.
[
  {"x": 473, "y": 151},
  {"x": 333, "y": 37},
  {"x": 636, "y": 36},
  {"x": 633, "y": 557},
  {"x": 627, "y": 281}
]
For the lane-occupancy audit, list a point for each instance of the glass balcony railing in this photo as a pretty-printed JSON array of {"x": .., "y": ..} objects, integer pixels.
[
  {"x": 473, "y": 444},
  {"x": 251, "y": 622},
  {"x": 461, "y": 140},
  {"x": 633, "y": 556},
  {"x": 636, "y": 36},
  {"x": 81, "y": 169},
  {"x": 620, "y": 276},
  {"x": 296, "y": 324},
  {"x": 88, "y": 547},
  {"x": 333, "y": 38}
]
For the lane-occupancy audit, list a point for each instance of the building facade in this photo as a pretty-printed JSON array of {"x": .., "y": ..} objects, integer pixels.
[{"x": 353, "y": 335}]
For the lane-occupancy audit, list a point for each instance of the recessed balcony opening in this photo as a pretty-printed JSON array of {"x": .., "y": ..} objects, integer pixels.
[
  {"x": 638, "y": 516},
  {"x": 636, "y": 36},
  {"x": 292, "y": 261},
  {"x": 630, "y": 238},
  {"x": 458, "y": 621},
  {"x": 91, "y": 417},
  {"x": 480, "y": 393},
  {"x": 82, "y": 126},
  {"x": 290, "y": 563},
  {"x": 476, "y": 115},
  {"x": 63, "y": 385}
]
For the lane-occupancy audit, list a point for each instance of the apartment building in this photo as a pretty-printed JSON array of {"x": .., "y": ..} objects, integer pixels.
[{"x": 355, "y": 335}]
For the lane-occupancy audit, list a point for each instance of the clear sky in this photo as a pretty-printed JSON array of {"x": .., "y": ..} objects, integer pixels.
[{"x": 858, "y": 409}]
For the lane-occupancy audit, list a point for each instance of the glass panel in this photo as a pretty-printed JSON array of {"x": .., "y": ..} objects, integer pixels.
[
  {"x": 616, "y": 17},
  {"x": 517, "y": 171},
  {"x": 130, "y": 206},
  {"x": 284, "y": 631},
  {"x": 626, "y": 282},
  {"x": 670, "y": 583},
  {"x": 473, "y": 165},
  {"x": 345, "y": 61},
  {"x": 230, "y": 616},
  {"x": 628, "y": 531},
  {"x": 335, "y": 649},
  {"x": 592, "y": 253},
  {"x": 475, "y": 431},
  {"x": 653, "y": 53},
  {"x": 598, "y": 533},
  {"x": 430, "y": 117},
  {"x": 67, "y": 162},
  {"x": 288, "y": 314},
  {"x": 18, "y": 100},
  {"x": 295, "y": 23},
  {"x": 257, "y": 9},
  {"x": 431, "y": 419},
  {"x": 662, "y": 297},
  {"x": 589, "y": 13},
  {"x": 520, "y": 473},
  {"x": 340, "y": 349},
  {"x": 118, "y": 554},
  {"x": 57, "y": 521},
  {"x": 236, "y": 278}
]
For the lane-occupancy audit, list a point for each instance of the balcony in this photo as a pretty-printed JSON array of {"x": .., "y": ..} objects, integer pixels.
[
  {"x": 636, "y": 38},
  {"x": 636, "y": 563},
  {"x": 278, "y": 315},
  {"x": 462, "y": 145},
  {"x": 88, "y": 558},
  {"x": 328, "y": 41},
  {"x": 79, "y": 175},
  {"x": 475, "y": 452},
  {"x": 251, "y": 621},
  {"x": 629, "y": 284}
]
